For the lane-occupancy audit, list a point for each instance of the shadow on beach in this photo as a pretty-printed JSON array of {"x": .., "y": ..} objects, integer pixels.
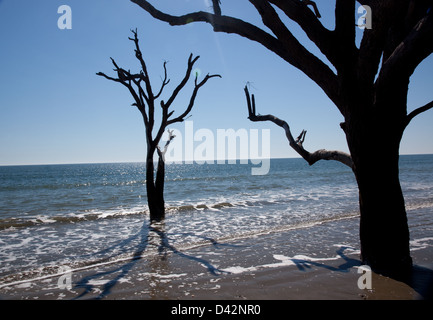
[
  {"x": 153, "y": 239},
  {"x": 348, "y": 263},
  {"x": 151, "y": 236},
  {"x": 419, "y": 281}
]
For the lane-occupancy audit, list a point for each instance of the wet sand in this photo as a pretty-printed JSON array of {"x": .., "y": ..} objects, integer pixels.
[{"x": 283, "y": 265}]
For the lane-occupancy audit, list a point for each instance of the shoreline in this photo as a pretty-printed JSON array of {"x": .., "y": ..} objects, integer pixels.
[{"x": 285, "y": 265}]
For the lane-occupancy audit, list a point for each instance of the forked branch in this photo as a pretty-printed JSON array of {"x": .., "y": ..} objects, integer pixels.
[{"x": 297, "y": 144}]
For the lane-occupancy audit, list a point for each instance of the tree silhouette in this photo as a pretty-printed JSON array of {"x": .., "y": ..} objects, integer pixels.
[
  {"x": 369, "y": 88},
  {"x": 140, "y": 87}
]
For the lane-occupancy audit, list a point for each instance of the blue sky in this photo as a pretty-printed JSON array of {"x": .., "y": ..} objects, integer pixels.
[{"x": 54, "y": 109}]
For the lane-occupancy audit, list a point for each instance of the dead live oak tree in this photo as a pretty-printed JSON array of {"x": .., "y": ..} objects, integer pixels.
[
  {"x": 369, "y": 86},
  {"x": 145, "y": 99}
]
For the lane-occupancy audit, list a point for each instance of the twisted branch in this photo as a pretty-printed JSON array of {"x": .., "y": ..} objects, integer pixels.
[{"x": 297, "y": 144}]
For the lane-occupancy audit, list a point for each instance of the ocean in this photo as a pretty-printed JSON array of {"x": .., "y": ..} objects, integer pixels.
[{"x": 81, "y": 215}]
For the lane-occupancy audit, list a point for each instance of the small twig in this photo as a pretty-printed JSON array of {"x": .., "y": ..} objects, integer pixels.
[
  {"x": 165, "y": 81},
  {"x": 300, "y": 140}
]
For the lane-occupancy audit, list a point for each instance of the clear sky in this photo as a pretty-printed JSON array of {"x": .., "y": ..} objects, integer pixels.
[{"x": 54, "y": 109}]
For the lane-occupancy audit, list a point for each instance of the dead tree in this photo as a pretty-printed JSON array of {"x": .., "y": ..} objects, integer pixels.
[
  {"x": 369, "y": 88},
  {"x": 145, "y": 100}
]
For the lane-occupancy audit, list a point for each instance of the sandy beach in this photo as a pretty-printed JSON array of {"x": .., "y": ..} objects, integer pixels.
[{"x": 259, "y": 267}]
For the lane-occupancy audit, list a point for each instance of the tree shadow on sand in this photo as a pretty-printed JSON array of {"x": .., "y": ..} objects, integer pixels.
[
  {"x": 149, "y": 236},
  {"x": 153, "y": 237},
  {"x": 303, "y": 264},
  {"x": 420, "y": 278}
]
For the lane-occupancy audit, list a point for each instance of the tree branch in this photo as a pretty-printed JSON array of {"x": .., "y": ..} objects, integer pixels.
[
  {"x": 216, "y": 7},
  {"x": 418, "y": 111},
  {"x": 139, "y": 56},
  {"x": 309, "y": 22},
  {"x": 220, "y": 24},
  {"x": 165, "y": 81},
  {"x": 288, "y": 49},
  {"x": 191, "y": 62},
  {"x": 311, "y": 158},
  {"x": 125, "y": 79},
  {"x": 192, "y": 99},
  {"x": 300, "y": 57},
  {"x": 150, "y": 98},
  {"x": 109, "y": 78},
  {"x": 346, "y": 50},
  {"x": 296, "y": 54},
  {"x": 373, "y": 40},
  {"x": 417, "y": 46},
  {"x": 165, "y": 122},
  {"x": 161, "y": 153}
]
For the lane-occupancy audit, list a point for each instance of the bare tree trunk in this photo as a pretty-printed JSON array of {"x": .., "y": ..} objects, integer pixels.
[
  {"x": 384, "y": 231},
  {"x": 373, "y": 136},
  {"x": 155, "y": 190}
]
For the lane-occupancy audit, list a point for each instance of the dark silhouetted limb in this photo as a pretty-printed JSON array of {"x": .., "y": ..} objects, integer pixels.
[
  {"x": 297, "y": 144},
  {"x": 418, "y": 111},
  {"x": 216, "y": 7}
]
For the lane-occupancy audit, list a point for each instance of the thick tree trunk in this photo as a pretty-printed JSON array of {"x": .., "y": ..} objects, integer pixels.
[
  {"x": 155, "y": 190},
  {"x": 384, "y": 232}
]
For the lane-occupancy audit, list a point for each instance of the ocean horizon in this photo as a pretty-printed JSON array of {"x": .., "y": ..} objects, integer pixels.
[{"x": 184, "y": 161}]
